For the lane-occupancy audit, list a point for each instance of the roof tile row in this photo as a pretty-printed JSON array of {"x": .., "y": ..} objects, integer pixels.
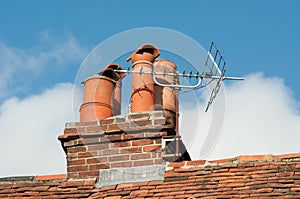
[{"x": 264, "y": 176}]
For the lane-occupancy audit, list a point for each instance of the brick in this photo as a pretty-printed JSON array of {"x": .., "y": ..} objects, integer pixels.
[
  {"x": 136, "y": 149},
  {"x": 99, "y": 146},
  {"x": 70, "y": 131},
  {"x": 196, "y": 163},
  {"x": 51, "y": 177},
  {"x": 113, "y": 138},
  {"x": 142, "y": 142},
  {"x": 107, "y": 121},
  {"x": 98, "y": 166},
  {"x": 177, "y": 164},
  {"x": 76, "y": 162},
  {"x": 141, "y": 123},
  {"x": 118, "y": 158},
  {"x": 245, "y": 158},
  {"x": 121, "y": 126},
  {"x": 93, "y": 160},
  {"x": 142, "y": 162},
  {"x": 108, "y": 152},
  {"x": 88, "y": 141},
  {"x": 104, "y": 139},
  {"x": 76, "y": 149},
  {"x": 121, "y": 144},
  {"x": 140, "y": 156},
  {"x": 287, "y": 156},
  {"x": 112, "y": 128},
  {"x": 84, "y": 154},
  {"x": 135, "y": 116},
  {"x": 70, "y": 143},
  {"x": 77, "y": 168},
  {"x": 150, "y": 148},
  {"x": 85, "y": 174},
  {"x": 94, "y": 129},
  {"x": 133, "y": 136},
  {"x": 155, "y": 134},
  {"x": 121, "y": 164}
]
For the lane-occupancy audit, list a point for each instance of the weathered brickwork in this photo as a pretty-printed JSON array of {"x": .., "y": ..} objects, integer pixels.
[{"x": 121, "y": 141}]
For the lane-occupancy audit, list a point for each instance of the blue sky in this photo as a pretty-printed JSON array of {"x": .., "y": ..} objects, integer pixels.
[
  {"x": 43, "y": 43},
  {"x": 253, "y": 35}
]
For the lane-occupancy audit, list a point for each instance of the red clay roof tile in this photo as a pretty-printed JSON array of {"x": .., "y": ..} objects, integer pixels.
[{"x": 51, "y": 177}]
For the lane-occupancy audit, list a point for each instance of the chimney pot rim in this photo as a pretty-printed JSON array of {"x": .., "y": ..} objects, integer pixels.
[
  {"x": 156, "y": 51},
  {"x": 98, "y": 76}
]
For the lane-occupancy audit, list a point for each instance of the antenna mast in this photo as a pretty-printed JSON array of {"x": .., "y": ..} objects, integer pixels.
[{"x": 214, "y": 70}]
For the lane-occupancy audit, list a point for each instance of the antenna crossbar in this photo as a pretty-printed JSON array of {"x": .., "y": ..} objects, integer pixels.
[{"x": 181, "y": 74}]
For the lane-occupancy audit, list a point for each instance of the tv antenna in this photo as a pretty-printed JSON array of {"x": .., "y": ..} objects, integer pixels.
[{"x": 213, "y": 71}]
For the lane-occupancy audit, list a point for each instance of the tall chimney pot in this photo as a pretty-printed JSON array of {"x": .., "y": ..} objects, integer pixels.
[{"x": 142, "y": 97}]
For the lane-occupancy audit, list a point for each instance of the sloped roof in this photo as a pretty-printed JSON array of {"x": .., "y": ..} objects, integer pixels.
[{"x": 264, "y": 176}]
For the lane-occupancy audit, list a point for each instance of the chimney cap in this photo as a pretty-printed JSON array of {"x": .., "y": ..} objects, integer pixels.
[
  {"x": 108, "y": 73},
  {"x": 145, "y": 48},
  {"x": 113, "y": 67}
]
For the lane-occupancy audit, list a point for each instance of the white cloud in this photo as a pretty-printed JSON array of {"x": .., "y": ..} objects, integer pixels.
[
  {"x": 261, "y": 116},
  {"x": 29, "y": 128}
]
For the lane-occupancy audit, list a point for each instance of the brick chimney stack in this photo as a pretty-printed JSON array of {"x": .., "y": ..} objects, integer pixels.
[{"x": 124, "y": 148}]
